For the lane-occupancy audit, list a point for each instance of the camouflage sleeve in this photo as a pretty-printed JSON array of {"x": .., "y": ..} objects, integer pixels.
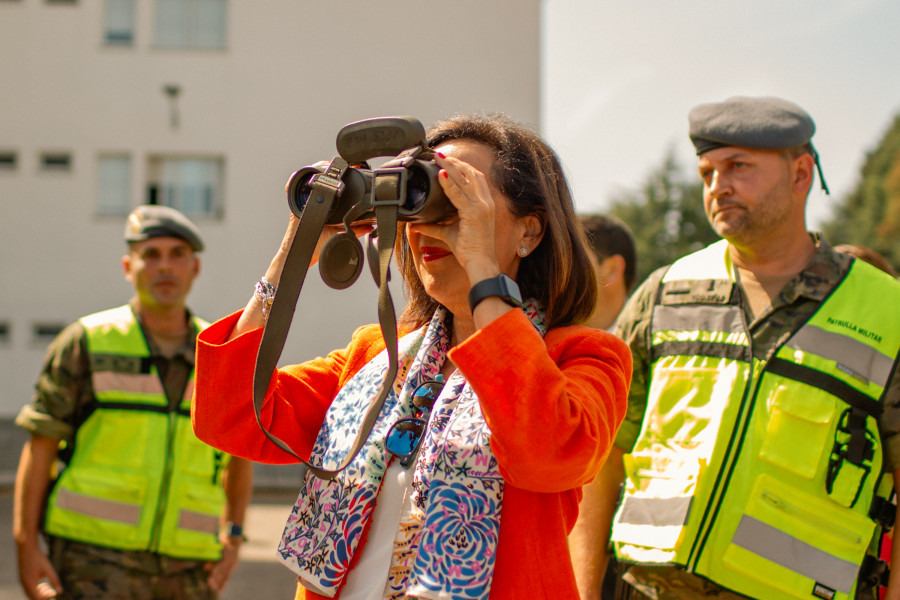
[
  {"x": 63, "y": 385},
  {"x": 633, "y": 327}
]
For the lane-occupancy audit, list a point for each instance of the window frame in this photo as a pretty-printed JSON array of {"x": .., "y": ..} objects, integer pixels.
[
  {"x": 124, "y": 190},
  {"x": 128, "y": 12},
  {"x": 181, "y": 24},
  {"x": 56, "y": 161},
  {"x": 169, "y": 182}
]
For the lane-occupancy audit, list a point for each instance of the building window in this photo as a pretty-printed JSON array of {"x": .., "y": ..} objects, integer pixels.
[
  {"x": 114, "y": 184},
  {"x": 44, "y": 333},
  {"x": 4, "y": 333},
  {"x": 8, "y": 160},
  {"x": 56, "y": 161},
  {"x": 192, "y": 185},
  {"x": 119, "y": 23},
  {"x": 191, "y": 23}
]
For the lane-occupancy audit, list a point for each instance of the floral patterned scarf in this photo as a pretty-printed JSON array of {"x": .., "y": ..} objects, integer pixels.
[{"x": 447, "y": 539}]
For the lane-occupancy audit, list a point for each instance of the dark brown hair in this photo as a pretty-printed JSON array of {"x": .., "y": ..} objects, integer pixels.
[
  {"x": 558, "y": 272},
  {"x": 609, "y": 236},
  {"x": 868, "y": 255}
]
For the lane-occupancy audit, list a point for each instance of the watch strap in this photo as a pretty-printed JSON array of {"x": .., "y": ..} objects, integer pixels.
[{"x": 502, "y": 286}]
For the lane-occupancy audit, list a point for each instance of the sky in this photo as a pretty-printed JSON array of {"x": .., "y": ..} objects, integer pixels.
[{"x": 620, "y": 76}]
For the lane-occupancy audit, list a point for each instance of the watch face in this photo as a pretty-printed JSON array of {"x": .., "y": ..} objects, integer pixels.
[
  {"x": 501, "y": 286},
  {"x": 510, "y": 288}
]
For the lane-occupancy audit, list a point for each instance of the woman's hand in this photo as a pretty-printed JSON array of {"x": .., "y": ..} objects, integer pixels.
[{"x": 470, "y": 235}]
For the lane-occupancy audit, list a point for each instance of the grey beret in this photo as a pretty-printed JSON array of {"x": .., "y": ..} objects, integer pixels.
[
  {"x": 152, "y": 220},
  {"x": 761, "y": 123}
]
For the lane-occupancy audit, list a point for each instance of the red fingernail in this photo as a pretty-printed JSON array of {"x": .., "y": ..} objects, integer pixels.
[
  {"x": 441, "y": 154},
  {"x": 444, "y": 175}
]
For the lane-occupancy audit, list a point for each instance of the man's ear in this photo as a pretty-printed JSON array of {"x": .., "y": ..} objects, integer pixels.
[
  {"x": 612, "y": 270},
  {"x": 804, "y": 173},
  {"x": 126, "y": 267}
]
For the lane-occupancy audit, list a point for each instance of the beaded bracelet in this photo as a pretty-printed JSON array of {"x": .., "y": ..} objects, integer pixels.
[{"x": 264, "y": 292}]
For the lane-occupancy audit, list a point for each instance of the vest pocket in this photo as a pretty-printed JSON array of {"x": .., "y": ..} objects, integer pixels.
[
  {"x": 197, "y": 459},
  {"x": 800, "y": 425},
  {"x": 792, "y": 541},
  {"x": 197, "y": 520},
  {"x": 97, "y": 507},
  {"x": 656, "y": 508}
]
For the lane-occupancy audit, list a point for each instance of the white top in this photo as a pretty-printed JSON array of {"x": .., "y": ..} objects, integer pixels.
[{"x": 367, "y": 580}]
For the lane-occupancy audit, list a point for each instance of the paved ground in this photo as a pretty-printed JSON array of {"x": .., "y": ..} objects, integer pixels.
[{"x": 257, "y": 575}]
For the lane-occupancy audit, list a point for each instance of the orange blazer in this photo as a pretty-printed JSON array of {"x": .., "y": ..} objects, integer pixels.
[{"x": 553, "y": 404}]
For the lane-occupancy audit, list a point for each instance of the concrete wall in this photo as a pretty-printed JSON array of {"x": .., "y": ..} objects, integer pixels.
[{"x": 292, "y": 74}]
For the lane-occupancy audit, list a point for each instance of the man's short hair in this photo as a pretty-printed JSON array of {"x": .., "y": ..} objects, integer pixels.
[{"x": 609, "y": 236}]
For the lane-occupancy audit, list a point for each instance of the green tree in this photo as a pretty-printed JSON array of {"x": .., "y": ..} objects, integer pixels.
[
  {"x": 870, "y": 214},
  {"x": 666, "y": 216}
]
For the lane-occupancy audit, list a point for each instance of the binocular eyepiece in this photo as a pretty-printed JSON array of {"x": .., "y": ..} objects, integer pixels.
[{"x": 411, "y": 178}]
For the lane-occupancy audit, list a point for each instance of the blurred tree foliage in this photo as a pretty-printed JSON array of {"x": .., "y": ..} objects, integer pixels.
[
  {"x": 666, "y": 216},
  {"x": 870, "y": 214}
]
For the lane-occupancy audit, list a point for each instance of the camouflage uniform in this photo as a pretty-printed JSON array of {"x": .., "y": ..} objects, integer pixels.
[
  {"x": 90, "y": 572},
  {"x": 796, "y": 303},
  {"x": 63, "y": 399},
  {"x": 64, "y": 395}
]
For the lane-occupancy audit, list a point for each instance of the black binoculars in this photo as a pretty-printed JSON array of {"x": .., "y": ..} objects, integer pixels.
[{"x": 410, "y": 170}]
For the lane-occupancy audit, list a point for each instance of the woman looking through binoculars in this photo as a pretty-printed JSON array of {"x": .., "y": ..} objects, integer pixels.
[{"x": 470, "y": 479}]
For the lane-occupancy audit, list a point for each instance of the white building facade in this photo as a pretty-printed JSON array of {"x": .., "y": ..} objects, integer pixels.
[{"x": 209, "y": 105}]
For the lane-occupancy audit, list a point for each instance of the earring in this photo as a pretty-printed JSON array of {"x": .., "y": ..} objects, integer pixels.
[{"x": 523, "y": 251}]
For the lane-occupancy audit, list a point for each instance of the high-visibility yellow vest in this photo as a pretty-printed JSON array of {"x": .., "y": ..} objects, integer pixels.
[
  {"x": 764, "y": 476},
  {"x": 138, "y": 478}
]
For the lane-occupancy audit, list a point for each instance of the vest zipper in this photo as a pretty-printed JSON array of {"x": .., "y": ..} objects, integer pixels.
[
  {"x": 162, "y": 501},
  {"x": 733, "y": 451}
]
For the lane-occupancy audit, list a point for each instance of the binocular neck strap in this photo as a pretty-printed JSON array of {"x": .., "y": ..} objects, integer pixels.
[{"x": 314, "y": 217}]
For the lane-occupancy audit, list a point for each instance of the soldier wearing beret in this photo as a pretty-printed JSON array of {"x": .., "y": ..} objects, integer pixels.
[
  {"x": 131, "y": 504},
  {"x": 761, "y": 444}
]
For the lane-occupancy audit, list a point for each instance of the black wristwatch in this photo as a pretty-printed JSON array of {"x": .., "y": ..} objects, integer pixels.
[
  {"x": 501, "y": 285},
  {"x": 233, "y": 530}
]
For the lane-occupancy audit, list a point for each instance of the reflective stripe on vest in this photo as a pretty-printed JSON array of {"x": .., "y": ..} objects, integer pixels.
[
  {"x": 728, "y": 476},
  {"x": 857, "y": 359},
  {"x": 92, "y": 506},
  {"x": 138, "y": 478},
  {"x": 129, "y": 514},
  {"x": 795, "y": 554}
]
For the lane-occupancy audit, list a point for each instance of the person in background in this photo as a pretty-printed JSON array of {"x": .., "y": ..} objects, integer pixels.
[
  {"x": 141, "y": 508},
  {"x": 521, "y": 403},
  {"x": 761, "y": 435},
  {"x": 614, "y": 258},
  {"x": 870, "y": 256}
]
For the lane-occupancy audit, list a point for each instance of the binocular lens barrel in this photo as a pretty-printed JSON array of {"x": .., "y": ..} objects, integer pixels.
[
  {"x": 299, "y": 189},
  {"x": 418, "y": 189},
  {"x": 424, "y": 201}
]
